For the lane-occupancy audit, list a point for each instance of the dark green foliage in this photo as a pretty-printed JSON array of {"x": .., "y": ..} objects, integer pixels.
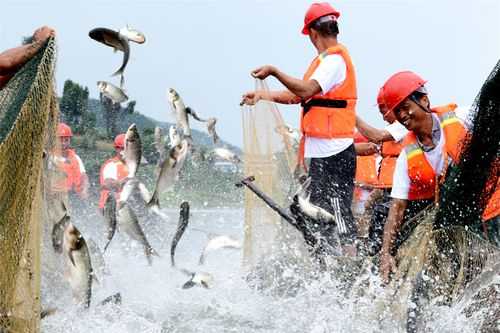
[{"x": 74, "y": 107}]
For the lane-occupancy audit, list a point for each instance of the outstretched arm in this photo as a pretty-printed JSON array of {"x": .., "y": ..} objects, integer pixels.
[
  {"x": 13, "y": 59},
  {"x": 373, "y": 134}
]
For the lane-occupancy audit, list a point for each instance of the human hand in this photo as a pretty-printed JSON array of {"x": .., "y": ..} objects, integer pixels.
[
  {"x": 372, "y": 148},
  {"x": 387, "y": 265},
  {"x": 42, "y": 34},
  {"x": 263, "y": 72},
  {"x": 251, "y": 98}
]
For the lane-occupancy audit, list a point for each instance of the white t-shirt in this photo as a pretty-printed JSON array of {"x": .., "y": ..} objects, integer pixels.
[
  {"x": 330, "y": 73},
  {"x": 401, "y": 181},
  {"x": 110, "y": 171},
  {"x": 397, "y": 131}
]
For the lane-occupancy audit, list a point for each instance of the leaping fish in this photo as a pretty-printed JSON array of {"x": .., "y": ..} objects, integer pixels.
[
  {"x": 218, "y": 242},
  {"x": 181, "y": 227}
]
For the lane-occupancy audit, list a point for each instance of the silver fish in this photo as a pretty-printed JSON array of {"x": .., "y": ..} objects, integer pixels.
[
  {"x": 78, "y": 265},
  {"x": 202, "y": 279},
  {"x": 218, "y": 242},
  {"x": 227, "y": 155},
  {"x": 127, "y": 190},
  {"x": 181, "y": 227},
  {"x": 158, "y": 142},
  {"x": 132, "y": 152},
  {"x": 315, "y": 212},
  {"x": 181, "y": 114},
  {"x": 115, "y": 40},
  {"x": 98, "y": 263},
  {"x": 133, "y": 35},
  {"x": 112, "y": 92},
  {"x": 129, "y": 224},
  {"x": 58, "y": 233},
  {"x": 110, "y": 218},
  {"x": 211, "y": 129},
  {"x": 146, "y": 196},
  {"x": 169, "y": 170},
  {"x": 175, "y": 138}
]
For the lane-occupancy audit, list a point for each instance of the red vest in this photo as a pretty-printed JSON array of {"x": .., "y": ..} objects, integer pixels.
[
  {"x": 122, "y": 172},
  {"x": 330, "y": 122},
  {"x": 70, "y": 176},
  {"x": 390, "y": 152},
  {"x": 366, "y": 170}
]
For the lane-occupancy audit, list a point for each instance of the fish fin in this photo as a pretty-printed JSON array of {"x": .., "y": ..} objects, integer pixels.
[
  {"x": 47, "y": 312},
  {"x": 126, "y": 56},
  {"x": 70, "y": 255},
  {"x": 154, "y": 201},
  {"x": 189, "y": 284},
  {"x": 115, "y": 299},
  {"x": 204, "y": 284}
]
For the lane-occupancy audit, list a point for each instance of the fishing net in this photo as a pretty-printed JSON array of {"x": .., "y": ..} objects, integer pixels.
[
  {"x": 28, "y": 118},
  {"x": 269, "y": 155},
  {"x": 442, "y": 256}
]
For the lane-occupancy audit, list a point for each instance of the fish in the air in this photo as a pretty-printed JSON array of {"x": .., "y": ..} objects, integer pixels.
[
  {"x": 211, "y": 129},
  {"x": 158, "y": 143},
  {"x": 128, "y": 223},
  {"x": 181, "y": 227},
  {"x": 110, "y": 218},
  {"x": 227, "y": 155},
  {"x": 181, "y": 114},
  {"x": 175, "y": 138},
  {"x": 58, "y": 232},
  {"x": 218, "y": 242},
  {"x": 202, "y": 279},
  {"x": 117, "y": 95},
  {"x": 169, "y": 171},
  {"x": 78, "y": 265},
  {"x": 132, "y": 151}
]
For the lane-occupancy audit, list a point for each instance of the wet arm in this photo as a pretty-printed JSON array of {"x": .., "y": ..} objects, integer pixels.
[
  {"x": 282, "y": 97},
  {"x": 301, "y": 88},
  {"x": 12, "y": 60},
  {"x": 393, "y": 225},
  {"x": 373, "y": 134}
]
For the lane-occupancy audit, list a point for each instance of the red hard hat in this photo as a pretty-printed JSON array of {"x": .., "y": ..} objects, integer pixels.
[
  {"x": 398, "y": 87},
  {"x": 64, "y": 130},
  {"x": 316, "y": 11},
  {"x": 360, "y": 138},
  {"x": 120, "y": 141}
]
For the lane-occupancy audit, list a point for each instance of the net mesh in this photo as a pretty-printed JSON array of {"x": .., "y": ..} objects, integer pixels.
[
  {"x": 28, "y": 116},
  {"x": 270, "y": 156}
]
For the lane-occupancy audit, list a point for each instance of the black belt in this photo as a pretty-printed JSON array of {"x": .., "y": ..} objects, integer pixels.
[{"x": 324, "y": 103}]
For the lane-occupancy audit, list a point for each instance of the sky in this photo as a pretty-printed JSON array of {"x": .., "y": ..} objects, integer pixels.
[{"x": 206, "y": 49}]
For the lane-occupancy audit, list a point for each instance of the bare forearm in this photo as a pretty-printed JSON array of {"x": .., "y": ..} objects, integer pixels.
[
  {"x": 300, "y": 88},
  {"x": 373, "y": 134},
  {"x": 13, "y": 59},
  {"x": 393, "y": 225}
]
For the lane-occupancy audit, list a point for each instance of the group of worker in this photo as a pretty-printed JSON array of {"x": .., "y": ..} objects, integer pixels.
[
  {"x": 418, "y": 144},
  {"x": 70, "y": 181}
]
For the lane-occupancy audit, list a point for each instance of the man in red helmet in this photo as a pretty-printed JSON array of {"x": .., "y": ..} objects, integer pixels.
[
  {"x": 13, "y": 59},
  {"x": 72, "y": 178},
  {"x": 114, "y": 172},
  {"x": 435, "y": 138},
  {"x": 328, "y": 96}
]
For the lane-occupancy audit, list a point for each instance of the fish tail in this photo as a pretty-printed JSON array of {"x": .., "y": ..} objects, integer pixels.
[{"x": 154, "y": 201}]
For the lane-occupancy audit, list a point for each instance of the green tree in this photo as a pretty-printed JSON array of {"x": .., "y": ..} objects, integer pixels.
[{"x": 74, "y": 107}]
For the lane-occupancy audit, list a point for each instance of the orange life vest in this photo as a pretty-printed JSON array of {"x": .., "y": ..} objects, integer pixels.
[
  {"x": 122, "y": 172},
  {"x": 423, "y": 179},
  {"x": 366, "y": 170},
  {"x": 331, "y": 115},
  {"x": 493, "y": 208},
  {"x": 389, "y": 152},
  {"x": 70, "y": 176}
]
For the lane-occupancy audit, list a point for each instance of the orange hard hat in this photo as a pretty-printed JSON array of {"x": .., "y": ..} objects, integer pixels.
[
  {"x": 398, "y": 87},
  {"x": 316, "y": 11},
  {"x": 64, "y": 130},
  {"x": 360, "y": 138},
  {"x": 120, "y": 141}
]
